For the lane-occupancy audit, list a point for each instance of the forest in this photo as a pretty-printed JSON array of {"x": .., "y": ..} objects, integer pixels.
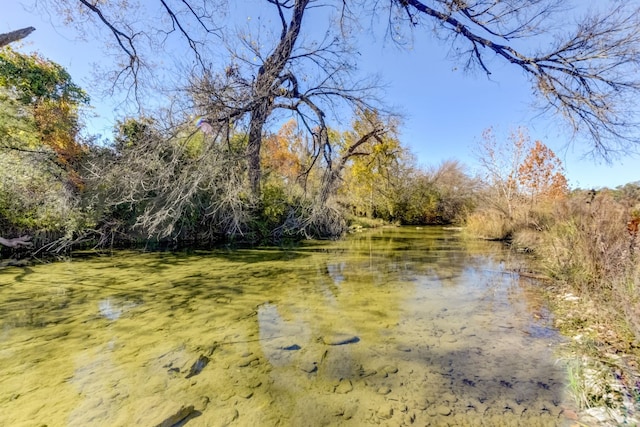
[{"x": 248, "y": 153}]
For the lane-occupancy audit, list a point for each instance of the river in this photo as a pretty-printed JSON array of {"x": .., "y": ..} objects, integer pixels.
[{"x": 397, "y": 326}]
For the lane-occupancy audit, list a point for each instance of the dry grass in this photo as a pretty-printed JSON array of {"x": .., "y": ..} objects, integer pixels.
[
  {"x": 583, "y": 243},
  {"x": 496, "y": 224},
  {"x": 588, "y": 244},
  {"x": 489, "y": 225},
  {"x": 589, "y": 249},
  {"x": 590, "y": 253}
]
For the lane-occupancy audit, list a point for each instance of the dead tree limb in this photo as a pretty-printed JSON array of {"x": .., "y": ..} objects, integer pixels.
[
  {"x": 14, "y": 36},
  {"x": 16, "y": 242}
]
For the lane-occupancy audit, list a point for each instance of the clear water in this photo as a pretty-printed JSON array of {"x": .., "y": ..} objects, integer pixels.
[{"x": 393, "y": 327}]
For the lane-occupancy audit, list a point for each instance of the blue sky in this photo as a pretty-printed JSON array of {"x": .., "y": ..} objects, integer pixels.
[{"x": 445, "y": 108}]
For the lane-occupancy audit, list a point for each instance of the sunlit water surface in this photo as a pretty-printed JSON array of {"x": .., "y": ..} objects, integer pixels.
[{"x": 392, "y": 327}]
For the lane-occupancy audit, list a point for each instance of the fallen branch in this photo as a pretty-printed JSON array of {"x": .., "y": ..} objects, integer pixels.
[{"x": 16, "y": 242}]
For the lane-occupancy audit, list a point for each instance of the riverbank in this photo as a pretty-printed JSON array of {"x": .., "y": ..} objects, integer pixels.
[
  {"x": 602, "y": 358},
  {"x": 601, "y": 351},
  {"x": 586, "y": 248}
]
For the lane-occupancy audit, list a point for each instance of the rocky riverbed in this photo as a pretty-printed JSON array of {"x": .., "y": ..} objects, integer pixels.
[{"x": 412, "y": 329}]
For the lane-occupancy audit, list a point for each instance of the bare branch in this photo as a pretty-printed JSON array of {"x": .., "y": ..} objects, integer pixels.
[
  {"x": 589, "y": 77},
  {"x": 126, "y": 43}
]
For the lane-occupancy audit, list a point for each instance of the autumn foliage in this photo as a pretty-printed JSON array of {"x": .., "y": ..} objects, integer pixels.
[
  {"x": 541, "y": 174},
  {"x": 525, "y": 177},
  {"x": 283, "y": 152},
  {"x": 49, "y": 101}
]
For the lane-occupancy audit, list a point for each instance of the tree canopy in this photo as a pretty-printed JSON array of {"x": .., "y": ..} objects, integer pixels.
[{"x": 583, "y": 64}]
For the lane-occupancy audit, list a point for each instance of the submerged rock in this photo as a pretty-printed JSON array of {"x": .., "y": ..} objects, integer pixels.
[
  {"x": 344, "y": 387},
  {"x": 226, "y": 417},
  {"x": 366, "y": 372},
  {"x": 198, "y": 366},
  {"x": 247, "y": 393},
  {"x": 309, "y": 366},
  {"x": 443, "y": 410},
  {"x": 383, "y": 390},
  {"x": 385, "y": 371},
  {"x": 157, "y": 412},
  {"x": 250, "y": 359},
  {"x": 340, "y": 339},
  {"x": 178, "y": 416},
  {"x": 291, "y": 347},
  {"x": 385, "y": 412}
]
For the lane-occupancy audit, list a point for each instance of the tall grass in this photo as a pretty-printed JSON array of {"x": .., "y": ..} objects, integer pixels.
[
  {"x": 581, "y": 241},
  {"x": 489, "y": 224},
  {"x": 588, "y": 243}
]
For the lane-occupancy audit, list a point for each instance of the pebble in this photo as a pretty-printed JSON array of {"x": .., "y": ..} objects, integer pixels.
[
  {"x": 409, "y": 418},
  {"x": 226, "y": 395},
  {"x": 443, "y": 410},
  {"x": 387, "y": 369},
  {"x": 344, "y": 387},
  {"x": 385, "y": 412},
  {"x": 449, "y": 397},
  {"x": 227, "y": 417},
  {"x": 383, "y": 390},
  {"x": 254, "y": 383},
  {"x": 553, "y": 410},
  {"x": 366, "y": 372},
  {"x": 246, "y": 393},
  {"x": 309, "y": 367},
  {"x": 349, "y": 412},
  {"x": 570, "y": 414},
  {"x": 420, "y": 405},
  {"x": 202, "y": 404},
  {"x": 154, "y": 412},
  {"x": 248, "y": 361}
]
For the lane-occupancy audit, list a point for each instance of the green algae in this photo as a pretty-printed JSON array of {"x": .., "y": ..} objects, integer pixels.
[{"x": 437, "y": 333}]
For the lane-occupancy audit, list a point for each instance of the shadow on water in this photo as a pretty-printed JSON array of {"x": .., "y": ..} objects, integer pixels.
[{"x": 388, "y": 327}]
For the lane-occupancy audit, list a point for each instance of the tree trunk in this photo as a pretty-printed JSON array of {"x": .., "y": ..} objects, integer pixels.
[
  {"x": 14, "y": 36},
  {"x": 266, "y": 85},
  {"x": 258, "y": 118}
]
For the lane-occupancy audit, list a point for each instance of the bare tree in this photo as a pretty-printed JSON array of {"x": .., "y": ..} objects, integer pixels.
[
  {"x": 284, "y": 80},
  {"x": 262, "y": 74},
  {"x": 584, "y": 70}
]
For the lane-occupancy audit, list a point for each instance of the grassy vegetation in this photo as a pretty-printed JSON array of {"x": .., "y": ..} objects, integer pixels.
[{"x": 587, "y": 245}]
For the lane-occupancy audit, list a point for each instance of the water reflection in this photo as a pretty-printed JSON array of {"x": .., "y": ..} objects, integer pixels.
[{"x": 395, "y": 327}]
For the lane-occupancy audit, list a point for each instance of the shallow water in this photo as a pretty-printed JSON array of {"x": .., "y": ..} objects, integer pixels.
[{"x": 392, "y": 327}]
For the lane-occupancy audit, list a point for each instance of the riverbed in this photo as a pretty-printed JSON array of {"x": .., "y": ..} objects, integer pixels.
[{"x": 396, "y": 326}]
